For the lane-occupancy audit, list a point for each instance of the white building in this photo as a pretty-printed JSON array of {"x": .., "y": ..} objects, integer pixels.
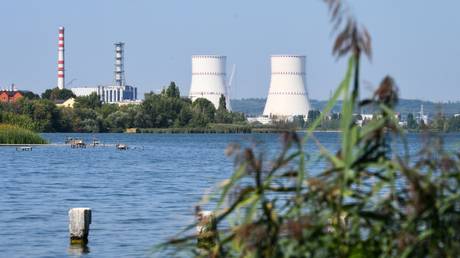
[
  {"x": 287, "y": 96},
  {"x": 209, "y": 79},
  {"x": 265, "y": 120},
  {"x": 109, "y": 93},
  {"x": 422, "y": 117}
]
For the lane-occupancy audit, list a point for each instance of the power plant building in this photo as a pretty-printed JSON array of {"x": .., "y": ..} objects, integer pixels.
[
  {"x": 108, "y": 93},
  {"x": 287, "y": 96},
  {"x": 119, "y": 92},
  {"x": 209, "y": 79}
]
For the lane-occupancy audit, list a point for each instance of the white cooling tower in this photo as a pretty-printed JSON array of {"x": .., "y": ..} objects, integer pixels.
[
  {"x": 209, "y": 78},
  {"x": 287, "y": 96}
]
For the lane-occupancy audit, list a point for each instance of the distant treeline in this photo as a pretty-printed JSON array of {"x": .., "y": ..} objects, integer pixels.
[
  {"x": 89, "y": 114},
  {"x": 255, "y": 106}
]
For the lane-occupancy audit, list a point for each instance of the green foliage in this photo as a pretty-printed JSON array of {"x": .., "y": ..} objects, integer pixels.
[
  {"x": 58, "y": 94},
  {"x": 22, "y": 121},
  {"x": 203, "y": 112},
  {"x": 165, "y": 110},
  {"x": 92, "y": 101},
  {"x": 171, "y": 91},
  {"x": 367, "y": 202},
  {"x": 222, "y": 103},
  {"x": 411, "y": 123},
  {"x": 255, "y": 106},
  {"x": 454, "y": 124},
  {"x": 313, "y": 115},
  {"x": 12, "y": 134},
  {"x": 30, "y": 95}
]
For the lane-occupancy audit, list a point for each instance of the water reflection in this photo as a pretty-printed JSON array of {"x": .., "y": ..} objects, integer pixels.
[{"x": 78, "y": 249}]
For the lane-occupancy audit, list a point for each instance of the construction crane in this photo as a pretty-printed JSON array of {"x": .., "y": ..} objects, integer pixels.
[
  {"x": 229, "y": 85},
  {"x": 70, "y": 83}
]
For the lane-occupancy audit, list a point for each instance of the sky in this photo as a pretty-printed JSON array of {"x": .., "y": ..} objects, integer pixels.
[{"x": 415, "y": 41}]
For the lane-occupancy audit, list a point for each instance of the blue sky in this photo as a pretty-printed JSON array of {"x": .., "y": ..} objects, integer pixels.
[{"x": 415, "y": 41}]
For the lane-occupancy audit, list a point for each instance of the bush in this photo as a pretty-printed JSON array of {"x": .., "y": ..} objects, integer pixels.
[{"x": 10, "y": 134}]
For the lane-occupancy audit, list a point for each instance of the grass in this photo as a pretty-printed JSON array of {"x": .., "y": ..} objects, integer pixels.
[
  {"x": 11, "y": 134},
  {"x": 212, "y": 128}
]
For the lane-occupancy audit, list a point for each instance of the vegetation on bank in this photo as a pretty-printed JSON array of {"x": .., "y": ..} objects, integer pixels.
[
  {"x": 331, "y": 122},
  {"x": 11, "y": 134},
  {"x": 164, "y": 110},
  {"x": 255, "y": 106},
  {"x": 371, "y": 200},
  {"x": 211, "y": 128}
]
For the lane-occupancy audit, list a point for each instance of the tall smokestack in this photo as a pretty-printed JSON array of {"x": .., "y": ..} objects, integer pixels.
[
  {"x": 119, "y": 64},
  {"x": 60, "y": 82}
]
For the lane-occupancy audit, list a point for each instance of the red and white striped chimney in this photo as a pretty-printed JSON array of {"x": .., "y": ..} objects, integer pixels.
[{"x": 60, "y": 82}]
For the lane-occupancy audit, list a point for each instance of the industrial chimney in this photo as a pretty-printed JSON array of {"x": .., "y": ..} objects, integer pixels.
[
  {"x": 119, "y": 64},
  {"x": 287, "y": 96},
  {"x": 61, "y": 71},
  {"x": 208, "y": 78}
]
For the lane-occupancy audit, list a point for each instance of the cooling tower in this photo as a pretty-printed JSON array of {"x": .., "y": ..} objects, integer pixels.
[
  {"x": 287, "y": 96},
  {"x": 208, "y": 78}
]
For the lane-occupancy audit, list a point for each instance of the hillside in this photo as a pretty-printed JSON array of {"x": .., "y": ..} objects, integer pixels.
[{"x": 255, "y": 106}]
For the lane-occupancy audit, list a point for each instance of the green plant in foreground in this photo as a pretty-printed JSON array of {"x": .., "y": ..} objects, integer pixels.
[
  {"x": 369, "y": 202},
  {"x": 10, "y": 134},
  {"x": 374, "y": 199}
]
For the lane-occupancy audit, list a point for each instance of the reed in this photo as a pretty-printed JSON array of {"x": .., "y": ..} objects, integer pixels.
[
  {"x": 11, "y": 134},
  {"x": 373, "y": 199},
  {"x": 211, "y": 128}
]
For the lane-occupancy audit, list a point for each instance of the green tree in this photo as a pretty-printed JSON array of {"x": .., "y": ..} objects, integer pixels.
[
  {"x": 92, "y": 101},
  {"x": 161, "y": 110},
  {"x": 440, "y": 123},
  {"x": 454, "y": 124},
  {"x": 185, "y": 115},
  {"x": 30, "y": 95},
  {"x": 203, "y": 112},
  {"x": 58, "y": 94},
  {"x": 222, "y": 103},
  {"x": 313, "y": 115},
  {"x": 222, "y": 114},
  {"x": 46, "y": 114},
  {"x": 299, "y": 121},
  {"x": 171, "y": 91},
  {"x": 411, "y": 123}
]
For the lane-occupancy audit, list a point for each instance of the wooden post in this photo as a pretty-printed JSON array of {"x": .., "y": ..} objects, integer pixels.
[
  {"x": 79, "y": 220},
  {"x": 206, "y": 229}
]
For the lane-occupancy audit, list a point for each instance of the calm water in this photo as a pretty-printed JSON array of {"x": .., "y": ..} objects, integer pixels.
[{"x": 139, "y": 197}]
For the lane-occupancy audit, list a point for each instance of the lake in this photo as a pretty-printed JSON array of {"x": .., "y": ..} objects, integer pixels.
[{"x": 139, "y": 197}]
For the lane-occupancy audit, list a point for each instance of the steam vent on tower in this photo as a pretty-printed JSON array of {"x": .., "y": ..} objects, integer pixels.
[
  {"x": 209, "y": 78},
  {"x": 287, "y": 96}
]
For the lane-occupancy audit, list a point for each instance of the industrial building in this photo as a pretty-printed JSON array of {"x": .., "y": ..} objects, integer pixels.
[
  {"x": 109, "y": 93},
  {"x": 119, "y": 92},
  {"x": 209, "y": 79},
  {"x": 287, "y": 96}
]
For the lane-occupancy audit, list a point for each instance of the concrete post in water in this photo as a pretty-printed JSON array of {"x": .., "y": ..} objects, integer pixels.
[
  {"x": 79, "y": 220},
  {"x": 206, "y": 229}
]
